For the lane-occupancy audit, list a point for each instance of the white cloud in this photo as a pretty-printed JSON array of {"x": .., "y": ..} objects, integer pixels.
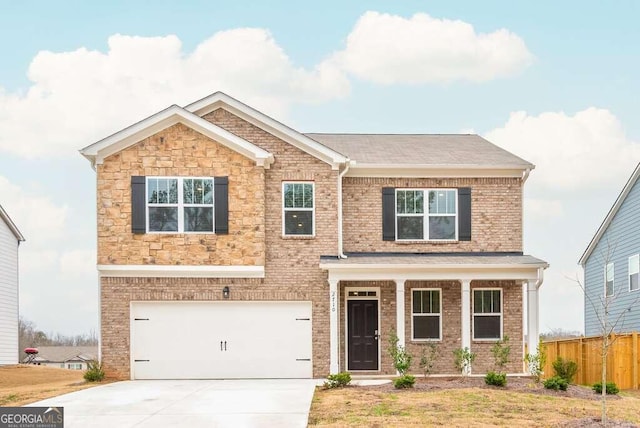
[
  {"x": 78, "y": 263},
  {"x": 537, "y": 209},
  {"x": 391, "y": 49},
  {"x": 37, "y": 217},
  {"x": 78, "y": 97},
  {"x": 583, "y": 151}
]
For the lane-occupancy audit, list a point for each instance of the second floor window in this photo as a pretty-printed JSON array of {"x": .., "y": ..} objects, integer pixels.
[
  {"x": 176, "y": 204},
  {"x": 423, "y": 214},
  {"x": 634, "y": 268},
  {"x": 298, "y": 207},
  {"x": 608, "y": 280}
]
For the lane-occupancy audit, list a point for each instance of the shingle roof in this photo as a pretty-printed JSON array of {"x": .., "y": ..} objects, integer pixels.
[
  {"x": 420, "y": 149},
  {"x": 61, "y": 354}
]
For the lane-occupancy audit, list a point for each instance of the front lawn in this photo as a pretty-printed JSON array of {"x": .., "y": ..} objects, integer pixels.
[{"x": 467, "y": 403}]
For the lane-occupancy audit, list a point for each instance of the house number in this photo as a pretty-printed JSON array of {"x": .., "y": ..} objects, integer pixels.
[{"x": 333, "y": 301}]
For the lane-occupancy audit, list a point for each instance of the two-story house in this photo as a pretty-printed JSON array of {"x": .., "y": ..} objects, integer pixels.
[
  {"x": 10, "y": 238},
  {"x": 611, "y": 265},
  {"x": 231, "y": 246}
]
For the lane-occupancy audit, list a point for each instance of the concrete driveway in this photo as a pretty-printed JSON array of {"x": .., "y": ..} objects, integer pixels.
[{"x": 189, "y": 403}]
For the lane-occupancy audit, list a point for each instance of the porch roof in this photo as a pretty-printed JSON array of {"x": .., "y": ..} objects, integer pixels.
[{"x": 434, "y": 266}]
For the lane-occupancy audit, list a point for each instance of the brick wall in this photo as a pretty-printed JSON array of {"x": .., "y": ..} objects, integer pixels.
[
  {"x": 496, "y": 214},
  {"x": 291, "y": 263}
]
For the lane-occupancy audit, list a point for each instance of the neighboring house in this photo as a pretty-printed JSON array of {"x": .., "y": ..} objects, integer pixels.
[
  {"x": 611, "y": 266},
  {"x": 10, "y": 238},
  {"x": 232, "y": 246},
  {"x": 65, "y": 357}
]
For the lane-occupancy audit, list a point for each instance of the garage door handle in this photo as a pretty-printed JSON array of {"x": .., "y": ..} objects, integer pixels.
[
  {"x": 225, "y": 345},
  {"x": 221, "y": 345}
]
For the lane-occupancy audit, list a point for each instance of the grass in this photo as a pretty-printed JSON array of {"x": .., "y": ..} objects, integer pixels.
[
  {"x": 468, "y": 407},
  {"x": 24, "y": 384}
]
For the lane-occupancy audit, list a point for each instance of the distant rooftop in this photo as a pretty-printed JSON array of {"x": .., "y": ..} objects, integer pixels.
[{"x": 464, "y": 150}]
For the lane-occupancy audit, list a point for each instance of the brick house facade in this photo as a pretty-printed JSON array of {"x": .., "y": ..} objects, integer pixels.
[{"x": 212, "y": 301}]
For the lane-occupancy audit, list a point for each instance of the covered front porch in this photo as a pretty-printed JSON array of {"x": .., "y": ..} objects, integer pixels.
[{"x": 446, "y": 301}]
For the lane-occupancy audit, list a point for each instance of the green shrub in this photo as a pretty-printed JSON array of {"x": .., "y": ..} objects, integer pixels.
[
  {"x": 404, "y": 381},
  {"x": 556, "y": 383},
  {"x": 463, "y": 358},
  {"x": 401, "y": 358},
  {"x": 337, "y": 380},
  {"x": 94, "y": 372},
  {"x": 612, "y": 388},
  {"x": 428, "y": 356},
  {"x": 536, "y": 361},
  {"x": 496, "y": 379},
  {"x": 566, "y": 369},
  {"x": 501, "y": 351}
]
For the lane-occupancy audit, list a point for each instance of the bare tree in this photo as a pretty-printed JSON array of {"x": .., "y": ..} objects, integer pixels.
[
  {"x": 30, "y": 337},
  {"x": 608, "y": 323},
  {"x": 559, "y": 333}
]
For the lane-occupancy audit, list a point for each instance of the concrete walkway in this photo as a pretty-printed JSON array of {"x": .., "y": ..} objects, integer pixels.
[{"x": 188, "y": 403}]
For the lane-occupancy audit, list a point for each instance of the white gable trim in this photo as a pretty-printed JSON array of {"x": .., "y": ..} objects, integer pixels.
[
  {"x": 180, "y": 271},
  {"x": 610, "y": 215},
  {"x": 268, "y": 124},
  {"x": 11, "y": 225},
  {"x": 170, "y": 116}
]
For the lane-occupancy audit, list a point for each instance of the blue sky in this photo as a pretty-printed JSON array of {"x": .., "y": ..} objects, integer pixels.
[{"x": 558, "y": 87}]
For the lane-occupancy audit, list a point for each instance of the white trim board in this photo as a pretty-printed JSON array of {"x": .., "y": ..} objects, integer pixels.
[
  {"x": 221, "y": 100},
  {"x": 97, "y": 152},
  {"x": 180, "y": 271}
]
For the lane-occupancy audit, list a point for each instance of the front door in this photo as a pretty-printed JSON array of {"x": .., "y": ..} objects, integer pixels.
[{"x": 362, "y": 336}]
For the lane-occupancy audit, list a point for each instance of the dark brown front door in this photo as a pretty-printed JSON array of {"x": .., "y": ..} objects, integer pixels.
[{"x": 362, "y": 339}]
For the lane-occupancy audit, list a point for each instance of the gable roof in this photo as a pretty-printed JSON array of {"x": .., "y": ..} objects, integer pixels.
[
  {"x": 610, "y": 215},
  {"x": 301, "y": 141},
  {"x": 97, "y": 152},
  {"x": 447, "y": 153},
  {"x": 14, "y": 229},
  {"x": 61, "y": 354}
]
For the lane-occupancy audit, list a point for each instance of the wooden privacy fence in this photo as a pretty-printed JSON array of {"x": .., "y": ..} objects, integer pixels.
[{"x": 623, "y": 359}]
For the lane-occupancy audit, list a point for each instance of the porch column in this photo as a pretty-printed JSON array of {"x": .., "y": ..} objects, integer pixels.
[
  {"x": 334, "y": 359},
  {"x": 533, "y": 335},
  {"x": 465, "y": 334},
  {"x": 400, "y": 311}
]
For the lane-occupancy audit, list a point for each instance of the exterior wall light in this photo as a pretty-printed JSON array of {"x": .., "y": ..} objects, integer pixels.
[{"x": 225, "y": 292}]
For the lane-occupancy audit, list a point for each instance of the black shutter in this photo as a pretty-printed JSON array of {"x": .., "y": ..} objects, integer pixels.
[
  {"x": 464, "y": 214},
  {"x": 138, "y": 205},
  {"x": 388, "y": 214},
  {"x": 221, "y": 204}
]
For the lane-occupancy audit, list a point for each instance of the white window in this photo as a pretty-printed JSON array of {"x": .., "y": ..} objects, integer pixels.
[
  {"x": 298, "y": 209},
  {"x": 433, "y": 220},
  {"x": 426, "y": 314},
  {"x": 176, "y": 204},
  {"x": 608, "y": 280},
  {"x": 487, "y": 314},
  {"x": 74, "y": 366},
  {"x": 634, "y": 269}
]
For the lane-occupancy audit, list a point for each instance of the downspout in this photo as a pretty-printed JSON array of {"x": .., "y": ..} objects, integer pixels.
[
  {"x": 525, "y": 175},
  {"x": 341, "y": 254}
]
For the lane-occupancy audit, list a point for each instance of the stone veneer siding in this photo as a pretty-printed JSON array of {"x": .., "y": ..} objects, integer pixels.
[
  {"x": 496, "y": 214},
  {"x": 291, "y": 263}
]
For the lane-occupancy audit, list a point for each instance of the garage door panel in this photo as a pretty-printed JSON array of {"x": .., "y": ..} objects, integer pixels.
[{"x": 182, "y": 340}]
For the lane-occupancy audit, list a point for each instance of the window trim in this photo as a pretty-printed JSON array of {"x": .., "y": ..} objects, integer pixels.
[
  {"x": 439, "y": 315},
  {"x": 636, "y": 257},
  {"x": 474, "y": 314},
  {"x": 180, "y": 205},
  {"x": 312, "y": 209},
  {"x": 426, "y": 214},
  {"x": 613, "y": 282}
]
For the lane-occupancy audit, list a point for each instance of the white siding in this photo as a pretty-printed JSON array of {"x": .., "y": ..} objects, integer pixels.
[{"x": 8, "y": 296}]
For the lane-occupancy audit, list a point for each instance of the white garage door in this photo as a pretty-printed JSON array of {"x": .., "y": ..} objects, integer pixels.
[{"x": 220, "y": 340}]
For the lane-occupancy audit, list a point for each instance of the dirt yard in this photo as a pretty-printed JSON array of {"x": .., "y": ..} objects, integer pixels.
[
  {"x": 469, "y": 402},
  {"x": 24, "y": 384}
]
